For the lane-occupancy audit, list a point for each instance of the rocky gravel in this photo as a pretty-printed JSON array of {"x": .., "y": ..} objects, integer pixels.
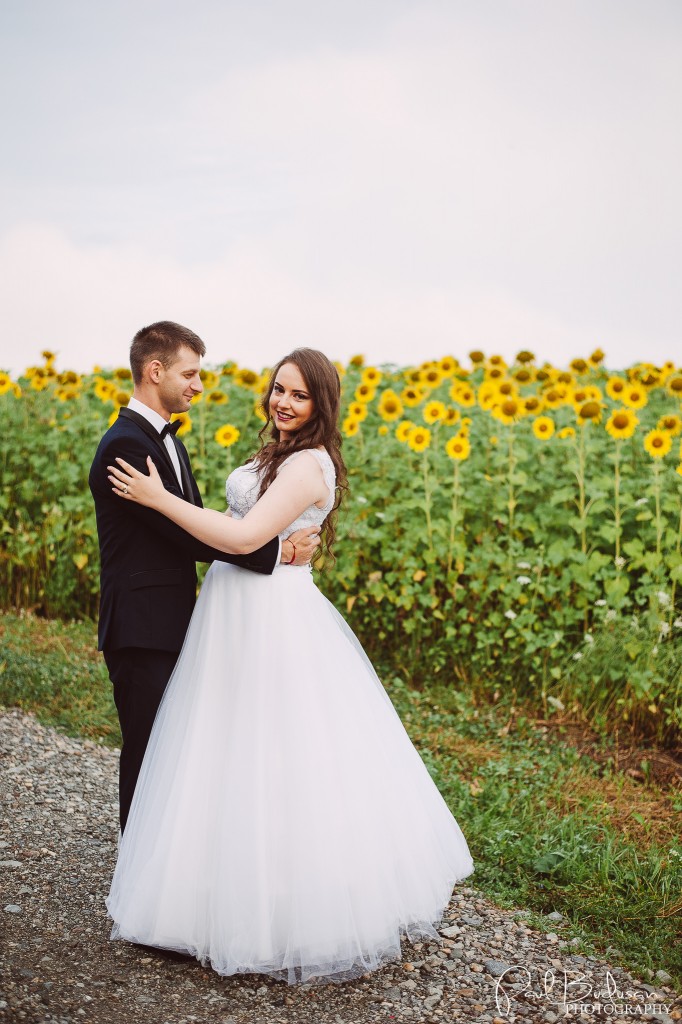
[{"x": 58, "y": 835}]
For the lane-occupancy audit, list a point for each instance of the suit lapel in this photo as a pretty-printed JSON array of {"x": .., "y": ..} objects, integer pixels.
[
  {"x": 184, "y": 471},
  {"x": 153, "y": 435}
]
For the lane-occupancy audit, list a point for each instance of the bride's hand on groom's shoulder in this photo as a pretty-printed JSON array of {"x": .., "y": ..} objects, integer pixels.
[
  {"x": 130, "y": 484},
  {"x": 300, "y": 547}
]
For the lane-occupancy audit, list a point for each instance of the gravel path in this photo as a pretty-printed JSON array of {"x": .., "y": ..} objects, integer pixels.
[{"x": 57, "y": 849}]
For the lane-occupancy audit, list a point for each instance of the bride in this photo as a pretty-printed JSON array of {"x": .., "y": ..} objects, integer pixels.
[{"x": 283, "y": 823}]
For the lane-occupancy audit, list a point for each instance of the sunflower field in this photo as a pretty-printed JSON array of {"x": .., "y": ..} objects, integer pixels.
[{"x": 510, "y": 528}]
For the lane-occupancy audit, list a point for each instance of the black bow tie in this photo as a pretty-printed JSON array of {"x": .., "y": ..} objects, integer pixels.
[{"x": 171, "y": 428}]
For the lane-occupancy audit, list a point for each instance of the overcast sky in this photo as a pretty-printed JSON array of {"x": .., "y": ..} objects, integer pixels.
[{"x": 402, "y": 178}]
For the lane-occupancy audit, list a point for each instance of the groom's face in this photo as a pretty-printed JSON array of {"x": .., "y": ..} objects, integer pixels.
[{"x": 180, "y": 382}]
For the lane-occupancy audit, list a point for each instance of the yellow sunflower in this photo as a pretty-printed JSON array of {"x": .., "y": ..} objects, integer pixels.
[
  {"x": 185, "y": 422},
  {"x": 533, "y": 405},
  {"x": 508, "y": 411},
  {"x": 357, "y": 411},
  {"x": 69, "y": 377},
  {"x": 389, "y": 406},
  {"x": 621, "y": 423},
  {"x": 477, "y": 357},
  {"x": 589, "y": 412},
  {"x": 258, "y": 412},
  {"x": 5, "y": 383},
  {"x": 488, "y": 394},
  {"x": 434, "y": 412},
  {"x": 672, "y": 423},
  {"x": 458, "y": 447},
  {"x": 658, "y": 443},
  {"x": 419, "y": 439},
  {"x": 40, "y": 381},
  {"x": 674, "y": 385},
  {"x": 67, "y": 394},
  {"x": 382, "y": 431},
  {"x": 113, "y": 418},
  {"x": 430, "y": 377},
  {"x": 524, "y": 357},
  {"x": 350, "y": 426},
  {"x": 365, "y": 393},
  {"x": 448, "y": 365},
  {"x": 463, "y": 394},
  {"x": 226, "y": 435},
  {"x": 371, "y": 376},
  {"x": 451, "y": 417},
  {"x": 209, "y": 379},
  {"x": 357, "y": 361},
  {"x": 554, "y": 397},
  {"x": 597, "y": 358},
  {"x": 579, "y": 366},
  {"x": 216, "y": 398},
  {"x": 403, "y": 429},
  {"x": 543, "y": 427},
  {"x": 412, "y": 396},
  {"x": 105, "y": 389},
  {"x": 615, "y": 388},
  {"x": 247, "y": 378},
  {"x": 566, "y": 432},
  {"x": 524, "y": 375},
  {"x": 123, "y": 373},
  {"x": 634, "y": 396}
]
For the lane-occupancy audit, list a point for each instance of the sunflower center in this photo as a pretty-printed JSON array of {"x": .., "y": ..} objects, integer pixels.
[{"x": 621, "y": 420}]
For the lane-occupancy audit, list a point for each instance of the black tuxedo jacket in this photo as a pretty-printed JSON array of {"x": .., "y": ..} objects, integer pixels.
[{"x": 148, "y": 574}]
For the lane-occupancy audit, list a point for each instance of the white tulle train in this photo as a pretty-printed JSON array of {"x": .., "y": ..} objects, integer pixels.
[{"x": 283, "y": 822}]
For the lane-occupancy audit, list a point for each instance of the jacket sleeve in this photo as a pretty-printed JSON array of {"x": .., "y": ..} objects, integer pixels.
[{"x": 135, "y": 451}]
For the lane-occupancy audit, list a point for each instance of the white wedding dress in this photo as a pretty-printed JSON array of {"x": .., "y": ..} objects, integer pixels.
[{"x": 283, "y": 823}]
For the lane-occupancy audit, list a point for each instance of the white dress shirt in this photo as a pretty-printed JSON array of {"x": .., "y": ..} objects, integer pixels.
[{"x": 158, "y": 422}]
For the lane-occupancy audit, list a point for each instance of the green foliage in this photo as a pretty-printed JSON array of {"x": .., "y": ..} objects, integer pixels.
[{"x": 488, "y": 572}]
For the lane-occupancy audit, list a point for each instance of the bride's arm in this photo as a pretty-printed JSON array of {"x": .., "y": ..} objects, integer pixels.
[{"x": 298, "y": 485}]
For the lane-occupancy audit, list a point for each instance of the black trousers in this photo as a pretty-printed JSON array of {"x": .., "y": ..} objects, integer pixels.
[{"x": 139, "y": 677}]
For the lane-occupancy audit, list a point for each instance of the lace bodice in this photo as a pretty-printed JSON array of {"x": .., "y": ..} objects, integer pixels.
[{"x": 243, "y": 485}]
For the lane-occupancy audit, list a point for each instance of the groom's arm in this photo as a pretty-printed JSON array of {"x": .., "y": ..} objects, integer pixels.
[{"x": 135, "y": 452}]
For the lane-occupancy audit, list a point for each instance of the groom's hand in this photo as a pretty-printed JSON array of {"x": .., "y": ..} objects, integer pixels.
[{"x": 302, "y": 544}]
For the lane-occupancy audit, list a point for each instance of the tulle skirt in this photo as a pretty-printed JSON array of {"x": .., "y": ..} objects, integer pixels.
[{"x": 283, "y": 823}]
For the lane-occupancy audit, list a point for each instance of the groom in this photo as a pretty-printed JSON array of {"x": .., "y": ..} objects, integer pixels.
[{"x": 148, "y": 574}]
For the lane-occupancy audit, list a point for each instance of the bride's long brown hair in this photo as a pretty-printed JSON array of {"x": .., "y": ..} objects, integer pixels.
[{"x": 322, "y": 429}]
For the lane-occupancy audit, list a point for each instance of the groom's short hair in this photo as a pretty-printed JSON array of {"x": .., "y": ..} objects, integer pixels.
[{"x": 161, "y": 341}]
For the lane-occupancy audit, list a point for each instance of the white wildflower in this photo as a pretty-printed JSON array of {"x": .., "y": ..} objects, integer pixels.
[
  {"x": 641, "y": 501},
  {"x": 654, "y": 650},
  {"x": 509, "y": 614},
  {"x": 664, "y": 628},
  {"x": 619, "y": 562},
  {"x": 361, "y": 498},
  {"x": 611, "y": 614},
  {"x": 589, "y": 639},
  {"x": 677, "y": 623},
  {"x": 663, "y": 598},
  {"x": 577, "y": 656},
  {"x": 600, "y": 603},
  {"x": 523, "y": 580},
  {"x": 556, "y": 703},
  {"x": 523, "y": 565}
]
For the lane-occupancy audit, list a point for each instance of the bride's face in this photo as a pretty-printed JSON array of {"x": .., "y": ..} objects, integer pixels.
[{"x": 290, "y": 403}]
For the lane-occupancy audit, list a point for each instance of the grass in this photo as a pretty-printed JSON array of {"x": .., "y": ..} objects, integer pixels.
[{"x": 549, "y": 829}]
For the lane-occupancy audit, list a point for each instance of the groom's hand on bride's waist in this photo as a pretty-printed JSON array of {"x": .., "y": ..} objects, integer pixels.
[{"x": 300, "y": 547}]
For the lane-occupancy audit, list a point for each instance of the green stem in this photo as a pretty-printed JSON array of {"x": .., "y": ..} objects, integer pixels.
[
  {"x": 616, "y": 502},
  {"x": 678, "y": 546},
  {"x": 659, "y": 519},
  {"x": 453, "y": 515},
  {"x": 427, "y": 500},
  {"x": 511, "y": 500}
]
